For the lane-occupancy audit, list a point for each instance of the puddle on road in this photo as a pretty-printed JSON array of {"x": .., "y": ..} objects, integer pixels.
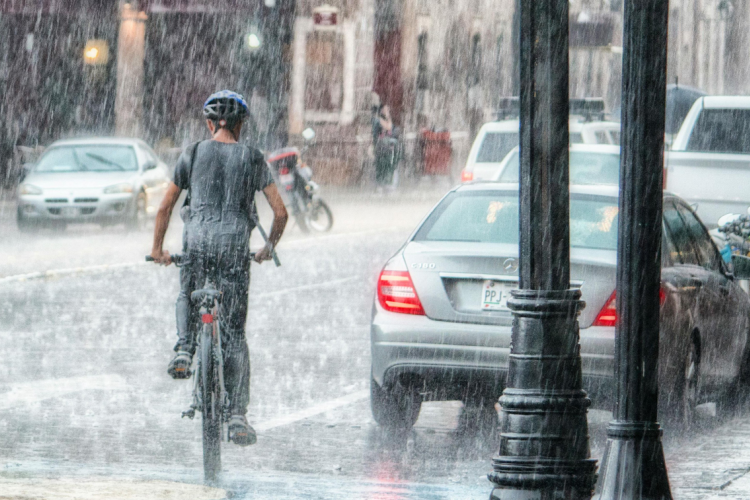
[{"x": 104, "y": 489}]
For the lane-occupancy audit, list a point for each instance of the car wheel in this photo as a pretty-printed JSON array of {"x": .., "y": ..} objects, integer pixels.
[
  {"x": 25, "y": 225},
  {"x": 397, "y": 407},
  {"x": 137, "y": 220},
  {"x": 689, "y": 387}
]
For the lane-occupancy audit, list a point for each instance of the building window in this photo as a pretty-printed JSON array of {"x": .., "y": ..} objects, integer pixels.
[
  {"x": 324, "y": 71},
  {"x": 422, "y": 78}
]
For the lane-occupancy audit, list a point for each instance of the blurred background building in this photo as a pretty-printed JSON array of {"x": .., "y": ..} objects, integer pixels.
[{"x": 143, "y": 68}]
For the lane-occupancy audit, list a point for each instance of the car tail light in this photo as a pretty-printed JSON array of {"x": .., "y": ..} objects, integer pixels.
[
  {"x": 608, "y": 315},
  {"x": 467, "y": 175},
  {"x": 396, "y": 293}
]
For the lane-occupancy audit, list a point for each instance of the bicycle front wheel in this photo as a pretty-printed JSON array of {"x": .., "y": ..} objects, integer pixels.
[{"x": 210, "y": 393}]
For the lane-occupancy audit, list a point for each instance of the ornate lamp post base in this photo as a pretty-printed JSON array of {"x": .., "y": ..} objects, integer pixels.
[
  {"x": 633, "y": 464},
  {"x": 544, "y": 446}
]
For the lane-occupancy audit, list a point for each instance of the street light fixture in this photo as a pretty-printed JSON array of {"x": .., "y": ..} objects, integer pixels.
[
  {"x": 633, "y": 464},
  {"x": 544, "y": 442},
  {"x": 96, "y": 52},
  {"x": 253, "y": 40}
]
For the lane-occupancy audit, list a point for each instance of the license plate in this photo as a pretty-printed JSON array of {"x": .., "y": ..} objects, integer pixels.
[
  {"x": 495, "y": 295},
  {"x": 286, "y": 179},
  {"x": 69, "y": 211}
]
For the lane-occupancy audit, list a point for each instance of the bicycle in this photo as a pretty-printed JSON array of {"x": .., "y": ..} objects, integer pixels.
[{"x": 210, "y": 396}]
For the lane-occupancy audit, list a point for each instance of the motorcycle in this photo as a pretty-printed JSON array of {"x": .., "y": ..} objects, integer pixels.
[
  {"x": 294, "y": 178},
  {"x": 732, "y": 237}
]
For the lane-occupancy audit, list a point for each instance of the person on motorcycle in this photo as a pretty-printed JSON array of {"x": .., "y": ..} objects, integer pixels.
[{"x": 221, "y": 177}]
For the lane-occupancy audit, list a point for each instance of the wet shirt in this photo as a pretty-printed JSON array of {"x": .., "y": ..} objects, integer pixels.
[{"x": 221, "y": 180}]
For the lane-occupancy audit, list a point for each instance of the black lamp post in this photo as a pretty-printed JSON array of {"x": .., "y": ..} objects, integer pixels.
[
  {"x": 633, "y": 464},
  {"x": 544, "y": 450}
]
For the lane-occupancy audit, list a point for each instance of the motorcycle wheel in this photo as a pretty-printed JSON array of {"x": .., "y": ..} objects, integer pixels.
[{"x": 319, "y": 217}]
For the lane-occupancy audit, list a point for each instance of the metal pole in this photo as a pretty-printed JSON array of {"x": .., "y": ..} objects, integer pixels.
[
  {"x": 633, "y": 464},
  {"x": 544, "y": 450}
]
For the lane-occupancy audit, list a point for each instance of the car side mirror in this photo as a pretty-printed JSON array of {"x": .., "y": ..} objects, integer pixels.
[
  {"x": 149, "y": 165},
  {"x": 741, "y": 267}
]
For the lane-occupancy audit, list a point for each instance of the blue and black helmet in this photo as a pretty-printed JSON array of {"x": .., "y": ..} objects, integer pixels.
[{"x": 225, "y": 105}]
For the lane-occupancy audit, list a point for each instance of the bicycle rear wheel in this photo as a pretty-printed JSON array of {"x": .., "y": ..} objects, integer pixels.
[{"x": 210, "y": 394}]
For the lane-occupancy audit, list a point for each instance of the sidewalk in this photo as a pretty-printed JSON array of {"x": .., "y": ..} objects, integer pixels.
[{"x": 714, "y": 465}]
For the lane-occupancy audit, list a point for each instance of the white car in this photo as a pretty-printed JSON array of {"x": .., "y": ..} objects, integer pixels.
[
  {"x": 709, "y": 163},
  {"x": 102, "y": 180},
  {"x": 496, "y": 139},
  {"x": 590, "y": 164}
]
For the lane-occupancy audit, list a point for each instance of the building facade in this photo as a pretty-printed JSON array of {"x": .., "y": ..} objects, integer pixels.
[{"x": 143, "y": 68}]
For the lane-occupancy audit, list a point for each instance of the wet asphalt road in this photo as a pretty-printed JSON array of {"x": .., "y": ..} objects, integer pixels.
[{"x": 84, "y": 391}]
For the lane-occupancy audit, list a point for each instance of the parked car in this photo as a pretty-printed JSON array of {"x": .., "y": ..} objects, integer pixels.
[
  {"x": 496, "y": 139},
  {"x": 709, "y": 163},
  {"x": 435, "y": 334},
  {"x": 589, "y": 164},
  {"x": 102, "y": 180}
]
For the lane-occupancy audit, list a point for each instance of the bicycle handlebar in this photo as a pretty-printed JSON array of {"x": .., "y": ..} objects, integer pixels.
[{"x": 178, "y": 259}]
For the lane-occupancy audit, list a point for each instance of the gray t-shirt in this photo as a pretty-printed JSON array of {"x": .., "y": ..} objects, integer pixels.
[{"x": 221, "y": 180}]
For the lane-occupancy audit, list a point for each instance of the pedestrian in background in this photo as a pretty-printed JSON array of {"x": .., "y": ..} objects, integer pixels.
[{"x": 384, "y": 145}]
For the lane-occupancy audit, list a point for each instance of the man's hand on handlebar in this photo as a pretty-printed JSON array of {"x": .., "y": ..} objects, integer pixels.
[
  {"x": 161, "y": 257},
  {"x": 265, "y": 253}
]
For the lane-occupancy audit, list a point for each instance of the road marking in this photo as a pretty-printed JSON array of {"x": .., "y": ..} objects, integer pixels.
[
  {"x": 39, "y": 390},
  {"x": 54, "y": 273},
  {"x": 305, "y": 287},
  {"x": 317, "y": 409}
]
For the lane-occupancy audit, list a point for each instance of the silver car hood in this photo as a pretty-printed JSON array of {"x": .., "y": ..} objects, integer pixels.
[{"x": 72, "y": 180}]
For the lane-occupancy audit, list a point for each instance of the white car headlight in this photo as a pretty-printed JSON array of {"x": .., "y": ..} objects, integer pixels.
[
  {"x": 123, "y": 187},
  {"x": 29, "y": 189}
]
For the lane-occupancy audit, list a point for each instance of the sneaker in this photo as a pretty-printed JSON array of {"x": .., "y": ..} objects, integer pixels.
[
  {"x": 240, "y": 432},
  {"x": 179, "y": 367}
]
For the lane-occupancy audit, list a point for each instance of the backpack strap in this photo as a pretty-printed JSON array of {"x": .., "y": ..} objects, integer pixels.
[{"x": 190, "y": 150}]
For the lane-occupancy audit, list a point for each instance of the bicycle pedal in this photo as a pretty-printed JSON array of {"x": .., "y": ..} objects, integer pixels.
[{"x": 189, "y": 414}]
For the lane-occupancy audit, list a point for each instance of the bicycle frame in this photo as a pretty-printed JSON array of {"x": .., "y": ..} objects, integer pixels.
[{"x": 208, "y": 312}]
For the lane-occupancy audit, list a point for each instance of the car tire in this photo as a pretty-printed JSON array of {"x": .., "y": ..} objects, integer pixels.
[
  {"x": 137, "y": 220},
  {"x": 688, "y": 387},
  {"x": 25, "y": 225},
  {"x": 397, "y": 407}
]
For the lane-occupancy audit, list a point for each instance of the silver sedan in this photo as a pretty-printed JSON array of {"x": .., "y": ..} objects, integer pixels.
[
  {"x": 441, "y": 327},
  {"x": 103, "y": 180}
]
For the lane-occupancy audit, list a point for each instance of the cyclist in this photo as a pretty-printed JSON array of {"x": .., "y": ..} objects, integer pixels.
[{"x": 221, "y": 177}]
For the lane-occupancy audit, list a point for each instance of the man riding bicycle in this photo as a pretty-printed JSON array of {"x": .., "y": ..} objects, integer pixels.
[{"x": 221, "y": 177}]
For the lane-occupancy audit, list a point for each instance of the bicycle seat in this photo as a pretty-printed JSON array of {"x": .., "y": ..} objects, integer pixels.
[{"x": 205, "y": 294}]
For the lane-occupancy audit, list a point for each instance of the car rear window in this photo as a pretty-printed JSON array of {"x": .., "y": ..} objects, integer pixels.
[
  {"x": 585, "y": 168},
  {"x": 98, "y": 158},
  {"x": 495, "y": 146},
  {"x": 492, "y": 217},
  {"x": 721, "y": 131}
]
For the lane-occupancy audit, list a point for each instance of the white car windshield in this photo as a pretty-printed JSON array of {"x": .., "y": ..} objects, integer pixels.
[
  {"x": 98, "y": 158},
  {"x": 495, "y": 146},
  {"x": 492, "y": 217},
  {"x": 586, "y": 168}
]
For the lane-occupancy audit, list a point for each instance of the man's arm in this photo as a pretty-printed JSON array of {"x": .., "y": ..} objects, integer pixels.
[
  {"x": 162, "y": 223},
  {"x": 280, "y": 217}
]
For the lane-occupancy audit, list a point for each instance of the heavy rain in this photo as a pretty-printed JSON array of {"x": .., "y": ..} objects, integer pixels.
[{"x": 374, "y": 249}]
